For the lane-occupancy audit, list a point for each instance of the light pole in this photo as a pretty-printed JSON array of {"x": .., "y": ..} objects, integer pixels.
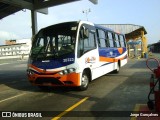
[{"x": 86, "y": 12}]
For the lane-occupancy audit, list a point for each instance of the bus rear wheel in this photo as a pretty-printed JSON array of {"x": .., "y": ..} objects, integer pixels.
[{"x": 84, "y": 82}]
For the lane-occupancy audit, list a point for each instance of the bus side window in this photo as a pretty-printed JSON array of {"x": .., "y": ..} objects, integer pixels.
[
  {"x": 89, "y": 43},
  {"x": 117, "y": 40},
  {"x": 107, "y": 39},
  {"x": 122, "y": 41},
  {"x": 101, "y": 38},
  {"x": 110, "y": 37},
  {"x": 86, "y": 44}
]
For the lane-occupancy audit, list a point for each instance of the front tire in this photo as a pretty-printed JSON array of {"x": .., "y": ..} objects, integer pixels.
[{"x": 84, "y": 82}]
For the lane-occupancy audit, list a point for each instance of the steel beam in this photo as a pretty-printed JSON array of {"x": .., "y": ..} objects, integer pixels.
[
  {"x": 34, "y": 22},
  {"x": 19, "y": 3},
  {"x": 50, "y": 3},
  {"x": 43, "y": 11},
  {"x": 25, "y": 5},
  {"x": 94, "y": 1},
  {"x": 144, "y": 43}
]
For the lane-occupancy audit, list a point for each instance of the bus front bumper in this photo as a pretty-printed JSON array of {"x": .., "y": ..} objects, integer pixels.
[{"x": 55, "y": 79}]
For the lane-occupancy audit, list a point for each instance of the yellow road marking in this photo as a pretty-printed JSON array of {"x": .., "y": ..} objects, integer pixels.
[
  {"x": 69, "y": 109},
  {"x": 136, "y": 108},
  {"x": 12, "y": 97}
]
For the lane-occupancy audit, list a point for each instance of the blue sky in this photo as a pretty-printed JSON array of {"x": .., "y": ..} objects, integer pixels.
[{"x": 140, "y": 12}]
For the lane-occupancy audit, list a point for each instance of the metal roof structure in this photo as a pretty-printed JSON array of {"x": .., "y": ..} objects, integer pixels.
[
  {"x": 8, "y": 7},
  {"x": 131, "y": 31},
  {"x": 124, "y": 28}
]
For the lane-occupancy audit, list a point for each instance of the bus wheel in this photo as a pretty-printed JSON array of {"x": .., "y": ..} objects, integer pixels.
[{"x": 84, "y": 82}]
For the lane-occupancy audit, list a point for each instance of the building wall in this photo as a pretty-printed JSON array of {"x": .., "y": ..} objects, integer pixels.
[
  {"x": 156, "y": 48},
  {"x": 16, "y": 49}
]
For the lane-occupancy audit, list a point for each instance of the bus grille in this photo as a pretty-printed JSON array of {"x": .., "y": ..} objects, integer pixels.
[{"x": 42, "y": 80}]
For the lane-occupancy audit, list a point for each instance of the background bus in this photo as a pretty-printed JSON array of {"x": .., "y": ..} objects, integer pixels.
[{"x": 74, "y": 53}]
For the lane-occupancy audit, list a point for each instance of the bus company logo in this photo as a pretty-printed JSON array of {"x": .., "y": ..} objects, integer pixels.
[
  {"x": 21, "y": 115},
  {"x": 90, "y": 60},
  {"x": 111, "y": 53},
  {"x": 6, "y": 114}
]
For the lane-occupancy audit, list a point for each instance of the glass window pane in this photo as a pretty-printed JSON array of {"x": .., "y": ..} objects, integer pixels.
[
  {"x": 117, "y": 40},
  {"x": 110, "y": 37},
  {"x": 102, "y": 38},
  {"x": 122, "y": 41}
]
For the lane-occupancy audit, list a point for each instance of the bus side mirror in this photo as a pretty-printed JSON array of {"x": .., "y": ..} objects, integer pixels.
[{"x": 85, "y": 32}]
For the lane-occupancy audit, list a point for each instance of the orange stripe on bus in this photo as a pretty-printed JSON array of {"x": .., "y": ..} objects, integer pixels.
[
  {"x": 74, "y": 77},
  {"x": 105, "y": 59}
]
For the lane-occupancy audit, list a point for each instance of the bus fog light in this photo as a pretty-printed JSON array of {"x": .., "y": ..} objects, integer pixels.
[
  {"x": 71, "y": 70},
  {"x": 29, "y": 72},
  {"x": 65, "y": 72},
  {"x": 61, "y": 73}
]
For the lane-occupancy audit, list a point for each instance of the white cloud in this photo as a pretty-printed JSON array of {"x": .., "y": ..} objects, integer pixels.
[{"x": 7, "y": 36}]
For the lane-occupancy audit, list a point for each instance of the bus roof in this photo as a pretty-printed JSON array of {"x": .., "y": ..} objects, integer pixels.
[
  {"x": 102, "y": 27},
  {"x": 81, "y": 22}
]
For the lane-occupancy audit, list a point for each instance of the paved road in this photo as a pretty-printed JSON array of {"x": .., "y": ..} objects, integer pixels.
[{"x": 111, "y": 92}]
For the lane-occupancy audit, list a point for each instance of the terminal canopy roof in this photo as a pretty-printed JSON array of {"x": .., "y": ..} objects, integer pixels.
[
  {"x": 136, "y": 33},
  {"x": 8, "y": 7},
  {"x": 131, "y": 31}
]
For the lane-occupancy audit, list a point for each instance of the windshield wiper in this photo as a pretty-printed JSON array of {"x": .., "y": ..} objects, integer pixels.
[{"x": 36, "y": 54}]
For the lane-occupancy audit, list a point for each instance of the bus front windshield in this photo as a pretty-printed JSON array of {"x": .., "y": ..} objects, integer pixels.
[{"x": 55, "y": 41}]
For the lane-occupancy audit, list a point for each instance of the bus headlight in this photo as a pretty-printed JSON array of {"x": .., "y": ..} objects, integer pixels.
[
  {"x": 71, "y": 70},
  {"x": 30, "y": 72},
  {"x": 61, "y": 73},
  {"x": 67, "y": 71}
]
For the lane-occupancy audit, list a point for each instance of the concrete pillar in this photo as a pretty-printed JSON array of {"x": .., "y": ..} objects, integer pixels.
[
  {"x": 34, "y": 22},
  {"x": 144, "y": 43},
  {"x": 146, "y": 50},
  {"x": 128, "y": 50}
]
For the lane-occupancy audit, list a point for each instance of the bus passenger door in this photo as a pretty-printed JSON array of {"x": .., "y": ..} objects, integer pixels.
[{"x": 87, "y": 52}]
